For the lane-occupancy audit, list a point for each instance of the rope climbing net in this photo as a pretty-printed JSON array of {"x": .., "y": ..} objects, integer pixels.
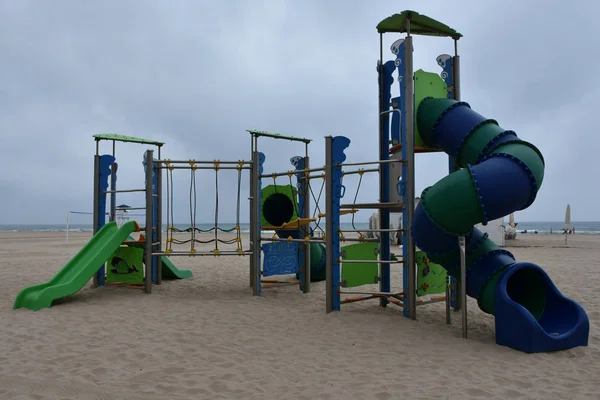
[
  {"x": 199, "y": 235},
  {"x": 353, "y": 210},
  {"x": 305, "y": 182}
]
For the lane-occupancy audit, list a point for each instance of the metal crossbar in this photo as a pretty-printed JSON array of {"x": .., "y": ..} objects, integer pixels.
[{"x": 373, "y": 205}]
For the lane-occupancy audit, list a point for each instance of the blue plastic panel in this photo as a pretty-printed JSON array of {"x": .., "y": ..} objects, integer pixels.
[{"x": 280, "y": 258}]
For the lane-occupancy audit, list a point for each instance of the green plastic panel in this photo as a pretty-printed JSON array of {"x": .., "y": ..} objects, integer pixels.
[
  {"x": 446, "y": 259},
  {"x": 169, "y": 270},
  {"x": 475, "y": 142},
  {"x": 287, "y": 190},
  {"x": 126, "y": 266},
  {"x": 277, "y": 136},
  {"x": 124, "y": 138},
  {"x": 427, "y": 84},
  {"x": 360, "y": 274},
  {"x": 456, "y": 191},
  {"x": 431, "y": 277},
  {"x": 419, "y": 25}
]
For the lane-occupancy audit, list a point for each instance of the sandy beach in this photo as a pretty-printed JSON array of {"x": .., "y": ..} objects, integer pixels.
[{"x": 209, "y": 338}]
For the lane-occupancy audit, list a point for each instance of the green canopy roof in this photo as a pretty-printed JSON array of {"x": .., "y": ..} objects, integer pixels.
[
  {"x": 124, "y": 138},
  {"x": 278, "y": 136},
  {"x": 419, "y": 25}
]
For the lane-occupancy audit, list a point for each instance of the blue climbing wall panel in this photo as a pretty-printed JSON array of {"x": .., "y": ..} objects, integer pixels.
[{"x": 280, "y": 258}]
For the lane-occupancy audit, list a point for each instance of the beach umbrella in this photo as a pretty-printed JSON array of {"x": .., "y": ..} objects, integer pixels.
[
  {"x": 511, "y": 219},
  {"x": 567, "y": 222},
  {"x": 567, "y": 218}
]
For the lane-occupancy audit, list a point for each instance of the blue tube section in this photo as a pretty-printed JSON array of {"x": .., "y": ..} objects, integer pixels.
[{"x": 531, "y": 313}]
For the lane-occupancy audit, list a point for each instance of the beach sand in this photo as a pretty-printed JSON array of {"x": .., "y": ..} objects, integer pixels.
[{"x": 209, "y": 338}]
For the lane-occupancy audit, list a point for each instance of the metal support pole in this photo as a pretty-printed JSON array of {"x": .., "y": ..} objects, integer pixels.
[
  {"x": 448, "y": 307},
  {"x": 96, "y": 201},
  {"x": 457, "y": 287},
  {"x": 463, "y": 286},
  {"x": 251, "y": 204},
  {"x": 68, "y": 223},
  {"x": 456, "y": 71},
  {"x": 149, "y": 221},
  {"x": 329, "y": 264},
  {"x": 410, "y": 173},
  {"x": 255, "y": 225},
  {"x": 113, "y": 185},
  {"x": 384, "y": 154},
  {"x": 306, "y": 214},
  {"x": 159, "y": 225}
]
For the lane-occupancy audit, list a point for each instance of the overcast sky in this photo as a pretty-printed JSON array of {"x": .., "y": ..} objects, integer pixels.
[{"x": 197, "y": 74}]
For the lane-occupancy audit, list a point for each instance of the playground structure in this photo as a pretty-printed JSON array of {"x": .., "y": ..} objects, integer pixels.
[
  {"x": 111, "y": 243},
  {"x": 284, "y": 209},
  {"x": 491, "y": 174}
]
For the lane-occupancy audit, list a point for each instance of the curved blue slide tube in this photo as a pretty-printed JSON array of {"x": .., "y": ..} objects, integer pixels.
[{"x": 503, "y": 175}]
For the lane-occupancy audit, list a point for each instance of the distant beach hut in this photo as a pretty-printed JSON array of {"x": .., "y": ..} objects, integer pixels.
[
  {"x": 121, "y": 214},
  {"x": 510, "y": 232}
]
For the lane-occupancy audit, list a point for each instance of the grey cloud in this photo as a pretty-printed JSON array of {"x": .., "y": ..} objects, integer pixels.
[{"x": 197, "y": 74}]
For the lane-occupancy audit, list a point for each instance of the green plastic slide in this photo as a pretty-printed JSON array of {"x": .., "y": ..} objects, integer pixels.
[
  {"x": 79, "y": 270},
  {"x": 170, "y": 271}
]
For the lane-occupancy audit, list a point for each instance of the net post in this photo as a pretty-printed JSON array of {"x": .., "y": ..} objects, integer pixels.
[
  {"x": 95, "y": 280},
  {"x": 113, "y": 185},
  {"x": 158, "y": 199},
  {"x": 330, "y": 284},
  {"x": 463, "y": 279},
  {"x": 306, "y": 214},
  {"x": 68, "y": 223},
  {"x": 384, "y": 146},
  {"x": 251, "y": 204},
  {"x": 448, "y": 306},
  {"x": 255, "y": 224},
  {"x": 149, "y": 221},
  {"x": 410, "y": 173},
  {"x": 456, "y": 284}
]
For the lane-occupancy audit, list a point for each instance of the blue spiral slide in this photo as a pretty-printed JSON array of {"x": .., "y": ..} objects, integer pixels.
[{"x": 499, "y": 174}]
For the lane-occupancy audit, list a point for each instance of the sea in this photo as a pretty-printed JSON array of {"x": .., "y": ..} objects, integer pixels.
[{"x": 581, "y": 227}]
